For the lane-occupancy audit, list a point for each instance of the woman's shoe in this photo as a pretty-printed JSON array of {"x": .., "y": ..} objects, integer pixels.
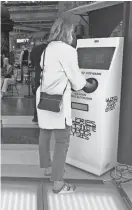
[
  {"x": 47, "y": 171},
  {"x": 66, "y": 188}
]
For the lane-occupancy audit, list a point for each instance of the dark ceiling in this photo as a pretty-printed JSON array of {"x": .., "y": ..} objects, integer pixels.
[{"x": 28, "y": 16}]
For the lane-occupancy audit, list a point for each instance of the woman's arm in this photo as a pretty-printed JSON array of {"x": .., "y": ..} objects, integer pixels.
[
  {"x": 72, "y": 71},
  {"x": 74, "y": 74}
]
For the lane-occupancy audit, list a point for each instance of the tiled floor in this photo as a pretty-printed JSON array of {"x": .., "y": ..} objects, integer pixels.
[
  {"x": 9, "y": 121},
  {"x": 14, "y": 105},
  {"x": 20, "y": 136},
  {"x": 19, "y": 130},
  {"x": 22, "y": 90},
  {"x": 128, "y": 188},
  {"x": 17, "y": 107},
  {"x": 86, "y": 197},
  {"x": 38, "y": 195},
  {"x": 23, "y": 160},
  {"x": 16, "y": 195},
  {"x": 26, "y": 164}
]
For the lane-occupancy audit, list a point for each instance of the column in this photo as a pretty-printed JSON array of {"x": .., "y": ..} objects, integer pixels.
[
  {"x": 6, "y": 27},
  {"x": 125, "y": 128}
]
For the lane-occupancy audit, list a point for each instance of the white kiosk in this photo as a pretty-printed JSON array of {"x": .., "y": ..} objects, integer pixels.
[{"x": 95, "y": 114}]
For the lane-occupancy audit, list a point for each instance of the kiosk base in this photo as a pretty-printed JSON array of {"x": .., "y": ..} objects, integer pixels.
[{"x": 98, "y": 170}]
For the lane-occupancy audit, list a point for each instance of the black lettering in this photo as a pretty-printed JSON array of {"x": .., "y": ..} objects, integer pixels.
[{"x": 83, "y": 128}]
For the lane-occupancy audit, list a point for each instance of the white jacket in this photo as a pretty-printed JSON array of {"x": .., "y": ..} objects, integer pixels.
[{"x": 60, "y": 69}]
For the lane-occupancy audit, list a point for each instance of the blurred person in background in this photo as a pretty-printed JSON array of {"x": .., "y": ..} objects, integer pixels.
[
  {"x": 7, "y": 76},
  {"x": 24, "y": 57},
  {"x": 35, "y": 57},
  {"x": 3, "y": 55},
  {"x": 12, "y": 57}
]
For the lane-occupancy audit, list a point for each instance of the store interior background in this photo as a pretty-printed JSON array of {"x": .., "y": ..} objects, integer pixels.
[
  {"x": 32, "y": 22},
  {"x": 24, "y": 22},
  {"x": 29, "y": 22}
]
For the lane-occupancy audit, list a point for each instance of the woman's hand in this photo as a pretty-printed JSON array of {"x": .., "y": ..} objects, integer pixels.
[{"x": 91, "y": 85}]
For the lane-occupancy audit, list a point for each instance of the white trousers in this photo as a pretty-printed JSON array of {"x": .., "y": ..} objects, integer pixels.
[{"x": 5, "y": 82}]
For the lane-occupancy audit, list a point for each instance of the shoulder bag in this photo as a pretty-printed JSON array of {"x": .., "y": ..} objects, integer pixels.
[{"x": 49, "y": 102}]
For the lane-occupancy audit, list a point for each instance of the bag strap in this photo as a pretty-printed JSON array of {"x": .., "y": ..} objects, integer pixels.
[
  {"x": 66, "y": 76},
  {"x": 43, "y": 70}
]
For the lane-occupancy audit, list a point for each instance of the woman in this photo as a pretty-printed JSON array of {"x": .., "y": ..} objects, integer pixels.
[
  {"x": 60, "y": 70},
  {"x": 24, "y": 61},
  {"x": 7, "y": 76}
]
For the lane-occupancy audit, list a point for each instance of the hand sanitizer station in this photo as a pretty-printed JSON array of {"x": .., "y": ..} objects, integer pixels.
[{"x": 95, "y": 112}]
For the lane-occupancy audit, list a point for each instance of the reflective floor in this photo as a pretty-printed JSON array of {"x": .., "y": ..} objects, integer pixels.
[
  {"x": 27, "y": 195},
  {"x": 90, "y": 197},
  {"x": 128, "y": 189},
  {"x": 15, "y": 196},
  {"x": 17, "y": 106}
]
